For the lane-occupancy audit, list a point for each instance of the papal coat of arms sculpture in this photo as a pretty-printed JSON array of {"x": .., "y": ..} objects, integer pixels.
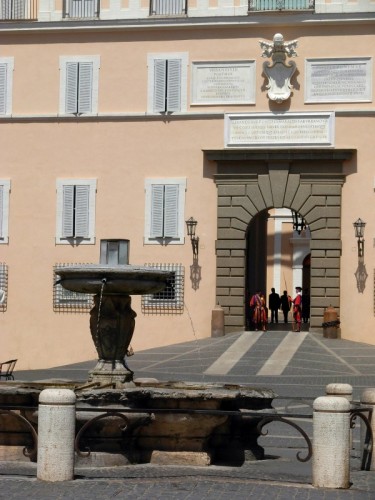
[{"x": 279, "y": 72}]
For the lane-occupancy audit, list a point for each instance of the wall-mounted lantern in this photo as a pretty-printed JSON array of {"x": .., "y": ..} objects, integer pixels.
[
  {"x": 191, "y": 225},
  {"x": 359, "y": 228},
  {"x": 299, "y": 223}
]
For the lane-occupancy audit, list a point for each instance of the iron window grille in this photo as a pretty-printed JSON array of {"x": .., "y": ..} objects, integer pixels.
[
  {"x": 273, "y": 5},
  {"x": 168, "y": 7},
  {"x": 4, "y": 285},
  {"x": 171, "y": 299},
  {"x": 67, "y": 301}
]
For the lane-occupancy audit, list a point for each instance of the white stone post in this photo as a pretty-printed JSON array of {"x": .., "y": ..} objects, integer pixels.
[
  {"x": 340, "y": 390},
  {"x": 368, "y": 399},
  {"x": 343, "y": 391},
  {"x": 56, "y": 433},
  {"x": 331, "y": 437}
]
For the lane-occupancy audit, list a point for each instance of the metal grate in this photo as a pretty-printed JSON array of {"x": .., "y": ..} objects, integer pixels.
[
  {"x": 67, "y": 301},
  {"x": 168, "y": 7},
  {"x": 4, "y": 285},
  {"x": 273, "y": 5},
  {"x": 171, "y": 299}
]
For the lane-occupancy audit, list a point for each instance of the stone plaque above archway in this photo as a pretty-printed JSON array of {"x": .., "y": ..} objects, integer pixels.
[{"x": 249, "y": 181}]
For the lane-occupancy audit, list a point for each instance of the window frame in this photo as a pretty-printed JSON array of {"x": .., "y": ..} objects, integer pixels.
[
  {"x": 8, "y": 99},
  {"x": 95, "y": 61},
  {"x": 180, "y": 238},
  {"x": 4, "y": 211},
  {"x": 67, "y": 240},
  {"x": 151, "y": 59}
]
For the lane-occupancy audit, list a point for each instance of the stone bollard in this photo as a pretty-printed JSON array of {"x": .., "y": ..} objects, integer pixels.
[
  {"x": 217, "y": 322},
  {"x": 56, "y": 433},
  {"x": 341, "y": 390},
  {"x": 368, "y": 399},
  {"x": 331, "y": 443}
]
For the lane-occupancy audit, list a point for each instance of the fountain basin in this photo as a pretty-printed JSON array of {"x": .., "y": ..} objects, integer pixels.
[
  {"x": 119, "y": 279},
  {"x": 152, "y": 423}
]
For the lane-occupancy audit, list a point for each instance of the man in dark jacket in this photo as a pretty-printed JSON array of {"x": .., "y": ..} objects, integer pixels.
[{"x": 274, "y": 304}]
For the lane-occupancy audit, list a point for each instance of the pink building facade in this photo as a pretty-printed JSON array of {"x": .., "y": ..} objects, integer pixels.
[{"x": 121, "y": 120}]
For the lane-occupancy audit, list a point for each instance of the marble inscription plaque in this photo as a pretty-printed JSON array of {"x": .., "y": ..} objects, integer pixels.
[
  {"x": 229, "y": 82},
  {"x": 291, "y": 129},
  {"x": 338, "y": 80}
]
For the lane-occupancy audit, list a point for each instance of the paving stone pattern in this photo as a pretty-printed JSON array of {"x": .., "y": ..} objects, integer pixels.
[{"x": 316, "y": 363}]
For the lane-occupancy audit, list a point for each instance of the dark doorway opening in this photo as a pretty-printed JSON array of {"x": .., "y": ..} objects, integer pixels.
[{"x": 256, "y": 260}]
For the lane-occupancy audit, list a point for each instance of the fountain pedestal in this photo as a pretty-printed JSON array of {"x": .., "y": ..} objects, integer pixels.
[{"x": 112, "y": 322}]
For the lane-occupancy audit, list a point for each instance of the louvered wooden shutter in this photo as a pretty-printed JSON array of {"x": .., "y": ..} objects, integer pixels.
[
  {"x": 71, "y": 88},
  {"x": 1, "y": 210},
  {"x": 82, "y": 211},
  {"x": 171, "y": 211},
  {"x": 3, "y": 88},
  {"x": 157, "y": 211},
  {"x": 19, "y": 9},
  {"x": 174, "y": 85},
  {"x": 68, "y": 212},
  {"x": 160, "y": 75},
  {"x": 85, "y": 87}
]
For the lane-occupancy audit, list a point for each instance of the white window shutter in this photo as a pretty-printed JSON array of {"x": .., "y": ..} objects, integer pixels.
[
  {"x": 82, "y": 211},
  {"x": 85, "y": 87},
  {"x": 19, "y": 9},
  {"x": 160, "y": 75},
  {"x": 171, "y": 211},
  {"x": 157, "y": 211},
  {"x": 68, "y": 212},
  {"x": 71, "y": 89},
  {"x": 1, "y": 210},
  {"x": 174, "y": 85},
  {"x": 3, "y": 88}
]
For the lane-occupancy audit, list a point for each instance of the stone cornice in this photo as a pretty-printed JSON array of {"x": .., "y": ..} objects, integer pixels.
[
  {"x": 286, "y": 155},
  {"x": 262, "y": 19}
]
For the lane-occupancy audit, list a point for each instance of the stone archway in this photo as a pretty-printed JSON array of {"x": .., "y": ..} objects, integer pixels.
[{"x": 249, "y": 181}]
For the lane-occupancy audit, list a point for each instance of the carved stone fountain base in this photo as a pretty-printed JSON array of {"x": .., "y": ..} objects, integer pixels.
[{"x": 111, "y": 373}]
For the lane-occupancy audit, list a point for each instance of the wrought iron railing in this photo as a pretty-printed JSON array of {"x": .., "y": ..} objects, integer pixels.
[
  {"x": 259, "y": 5},
  {"x": 81, "y": 9},
  {"x": 168, "y": 7},
  {"x": 18, "y": 10}
]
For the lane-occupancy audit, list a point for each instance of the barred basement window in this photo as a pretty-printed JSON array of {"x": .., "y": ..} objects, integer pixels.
[
  {"x": 171, "y": 299},
  {"x": 67, "y": 301},
  {"x": 3, "y": 286}
]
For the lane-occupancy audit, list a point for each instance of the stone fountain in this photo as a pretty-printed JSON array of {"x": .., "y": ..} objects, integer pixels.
[
  {"x": 176, "y": 417},
  {"x": 112, "y": 319}
]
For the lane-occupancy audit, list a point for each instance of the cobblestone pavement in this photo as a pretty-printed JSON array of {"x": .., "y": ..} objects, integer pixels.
[{"x": 316, "y": 362}]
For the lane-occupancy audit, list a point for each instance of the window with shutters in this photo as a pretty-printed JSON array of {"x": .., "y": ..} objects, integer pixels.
[
  {"x": 79, "y": 78},
  {"x": 4, "y": 210},
  {"x": 6, "y": 84},
  {"x": 165, "y": 201},
  {"x": 167, "y": 82},
  {"x": 75, "y": 214}
]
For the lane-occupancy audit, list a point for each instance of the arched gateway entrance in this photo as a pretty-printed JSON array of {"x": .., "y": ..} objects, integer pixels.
[{"x": 250, "y": 181}]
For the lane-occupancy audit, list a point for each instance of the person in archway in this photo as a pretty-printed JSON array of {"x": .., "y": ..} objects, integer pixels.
[
  {"x": 260, "y": 312},
  {"x": 285, "y": 304},
  {"x": 274, "y": 305},
  {"x": 305, "y": 306},
  {"x": 297, "y": 309}
]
